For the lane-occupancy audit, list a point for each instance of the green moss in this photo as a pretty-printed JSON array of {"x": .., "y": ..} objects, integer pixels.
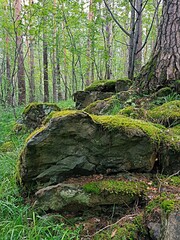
[
  {"x": 168, "y": 205},
  {"x": 175, "y": 180},
  {"x": 113, "y": 186},
  {"x": 103, "y": 83},
  {"x": 35, "y": 132},
  {"x": 37, "y": 104},
  {"x": 165, "y": 202},
  {"x": 131, "y": 126},
  {"x": 163, "y": 92},
  {"x": 167, "y": 114},
  {"x": 56, "y": 114}
]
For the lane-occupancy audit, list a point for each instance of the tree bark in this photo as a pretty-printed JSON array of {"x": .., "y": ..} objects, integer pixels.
[{"x": 163, "y": 68}]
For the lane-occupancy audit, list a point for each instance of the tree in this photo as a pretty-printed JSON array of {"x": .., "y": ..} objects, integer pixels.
[
  {"x": 20, "y": 57},
  {"x": 163, "y": 68}
]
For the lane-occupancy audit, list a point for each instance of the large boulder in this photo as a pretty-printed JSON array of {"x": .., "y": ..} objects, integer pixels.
[{"x": 74, "y": 143}]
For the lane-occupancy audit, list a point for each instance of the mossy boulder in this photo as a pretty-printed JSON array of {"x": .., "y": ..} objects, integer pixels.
[
  {"x": 85, "y": 98},
  {"x": 101, "y": 107},
  {"x": 167, "y": 114},
  {"x": 100, "y": 90},
  {"x": 34, "y": 113},
  {"x": 74, "y": 197},
  {"x": 74, "y": 143},
  {"x": 102, "y": 86}
]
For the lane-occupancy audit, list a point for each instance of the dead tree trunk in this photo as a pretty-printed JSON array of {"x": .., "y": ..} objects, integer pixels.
[{"x": 163, "y": 68}]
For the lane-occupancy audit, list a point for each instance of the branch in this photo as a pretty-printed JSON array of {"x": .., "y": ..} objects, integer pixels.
[
  {"x": 125, "y": 218},
  {"x": 113, "y": 17}
]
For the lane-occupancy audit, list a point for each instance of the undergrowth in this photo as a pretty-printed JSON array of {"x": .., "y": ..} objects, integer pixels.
[{"x": 17, "y": 219}]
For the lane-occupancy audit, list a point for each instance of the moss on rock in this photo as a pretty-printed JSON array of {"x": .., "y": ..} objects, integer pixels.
[
  {"x": 98, "y": 85},
  {"x": 34, "y": 105},
  {"x": 131, "y": 126},
  {"x": 167, "y": 114},
  {"x": 113, "y": 186}
]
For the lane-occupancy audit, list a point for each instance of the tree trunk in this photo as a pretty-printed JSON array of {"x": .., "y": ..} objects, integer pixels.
[
  {"x": 89, "y": 73},
  {"x": 163, "y": 68},
  {"x": 32, "y": 67},
  {"x": 45, "y": 67},
  {"x": 19, "y": 49},
  {"x": 8, "y": 74},
  {"x": 109, "y": 38}
]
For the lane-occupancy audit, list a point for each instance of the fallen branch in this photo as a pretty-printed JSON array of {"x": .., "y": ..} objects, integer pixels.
[{"x": 125, "y": 218}]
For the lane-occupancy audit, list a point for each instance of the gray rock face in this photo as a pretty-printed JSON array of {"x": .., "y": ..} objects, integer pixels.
[
  {"x": 84, "y": 98},
  {"x": 75, "y": 145},
  {"x": 171, "y": 227}
]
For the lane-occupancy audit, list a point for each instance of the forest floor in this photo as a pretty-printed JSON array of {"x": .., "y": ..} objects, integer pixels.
[{"x": 18, "y": 220}]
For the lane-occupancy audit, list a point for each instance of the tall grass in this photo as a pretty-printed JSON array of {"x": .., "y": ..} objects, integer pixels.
[{"x": 18, "y": 220}]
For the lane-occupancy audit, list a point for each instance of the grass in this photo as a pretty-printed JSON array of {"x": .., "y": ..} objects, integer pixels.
[{"x": 18, "y": 220}]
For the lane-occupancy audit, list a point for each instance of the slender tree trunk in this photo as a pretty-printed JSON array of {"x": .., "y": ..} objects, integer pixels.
[
  {"x": 8, "y": 74},
  {"x": 138, "y": 38},
  {"x": 32, "y": 67},
  {"x": 131, "y": 44},
  {"x": 163, "y": 69},
  {"x": 19, "y": 47},
  {"x": 55, "y": 92},
  {"x": 45, "y": 67},
  {"x": 89, "y": 75},
  {"x": 109, "y": 38},
  {"x": 32, "y": 80}
]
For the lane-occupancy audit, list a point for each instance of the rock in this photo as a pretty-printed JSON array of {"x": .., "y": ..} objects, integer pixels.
[
  {"x": 123, "y": 85},
  {"x": 162, "y": 92},
  {"x": 162, "y": 217},
  {"x": 34, "y": 113},
  {"x": 72, "y": 197},
  {"x": 170, "y": 229},
  {"x": 74, "y": 143},
  {"x": 83, "y": 99},
  {"x": 99, "y": 90},
  {"x": 101, "y": 107},
  {"x": 167, "y": 114}
]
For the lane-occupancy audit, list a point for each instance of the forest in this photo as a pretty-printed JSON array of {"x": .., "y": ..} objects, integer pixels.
[{"x": 90, "y": 119}]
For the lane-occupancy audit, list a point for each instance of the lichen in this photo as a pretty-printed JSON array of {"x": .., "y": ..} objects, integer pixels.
[{"x": 113, "y": 186}]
